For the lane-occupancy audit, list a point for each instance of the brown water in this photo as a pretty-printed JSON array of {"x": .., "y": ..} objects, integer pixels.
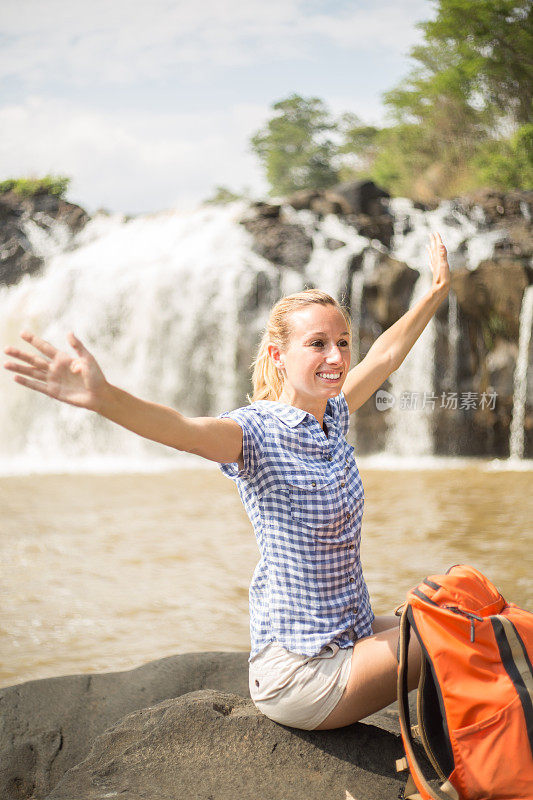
[{"x": 107, "y": 572}]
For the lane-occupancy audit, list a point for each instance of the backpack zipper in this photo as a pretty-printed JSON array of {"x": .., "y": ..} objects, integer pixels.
[{"x": 469, "y": 615}]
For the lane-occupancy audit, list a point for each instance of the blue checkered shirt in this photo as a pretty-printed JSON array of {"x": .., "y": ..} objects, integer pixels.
[{"x": 304, "y": 496}]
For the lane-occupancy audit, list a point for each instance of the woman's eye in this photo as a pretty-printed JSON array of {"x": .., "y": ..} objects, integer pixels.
[
  {"x": 343, "y": 343},
  {"x": 318, "y": 343}
]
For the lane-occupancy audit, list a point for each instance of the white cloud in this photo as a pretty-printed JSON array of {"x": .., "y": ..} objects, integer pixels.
[
  {"x": 122, "y": 41},
  {"x": 132, "y": 161},
  {"x": 387, "y": 26},
  {"x": 142, "y": 159}
]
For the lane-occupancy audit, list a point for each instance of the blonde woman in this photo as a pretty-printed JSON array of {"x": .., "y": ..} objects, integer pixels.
[{"x": 319, "y": 659}]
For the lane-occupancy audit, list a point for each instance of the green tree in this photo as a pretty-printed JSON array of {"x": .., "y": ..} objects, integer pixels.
[
  {"x": 472, "y": 77},
  {"x": 358, "y": 149},
  {"x": 295, "y": 146},
  {"x": 507, "y": 163},
  {"x": 490, "y": 43},
  {"x": 479, "y": 53}
]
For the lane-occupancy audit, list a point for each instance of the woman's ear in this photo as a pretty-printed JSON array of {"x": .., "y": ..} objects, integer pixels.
[{"x": 275, "y": 354}]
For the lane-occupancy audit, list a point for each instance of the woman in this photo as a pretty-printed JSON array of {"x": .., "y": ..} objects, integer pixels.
[{"x": 319, "y": 657}]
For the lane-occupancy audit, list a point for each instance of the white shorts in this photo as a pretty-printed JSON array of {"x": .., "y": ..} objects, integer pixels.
[{"x": 297, "y": 690}]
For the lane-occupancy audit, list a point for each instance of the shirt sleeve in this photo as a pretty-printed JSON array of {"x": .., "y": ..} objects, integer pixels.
[
  {"x": 253, "y": 434},
  {"x": 342, "y": 412}
]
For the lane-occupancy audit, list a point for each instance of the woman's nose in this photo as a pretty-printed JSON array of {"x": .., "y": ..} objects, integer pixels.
[{"x": 334, "y": 356}]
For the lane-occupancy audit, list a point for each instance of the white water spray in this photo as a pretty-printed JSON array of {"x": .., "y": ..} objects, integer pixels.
[
  {"x": 172, "y": 306},
  {"x": 516, "y": 439}
]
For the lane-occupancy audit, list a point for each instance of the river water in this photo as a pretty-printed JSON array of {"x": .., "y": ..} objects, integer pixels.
[{"x": 106, "y": 572}]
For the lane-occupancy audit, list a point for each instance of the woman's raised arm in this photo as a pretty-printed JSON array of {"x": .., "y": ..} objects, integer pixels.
[
  {"x": 80, "y": 382},
  {"x": 390, "y": 349}
]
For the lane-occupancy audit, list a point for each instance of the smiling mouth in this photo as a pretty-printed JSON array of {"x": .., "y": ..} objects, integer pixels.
[{"x": 330, "y": 377}]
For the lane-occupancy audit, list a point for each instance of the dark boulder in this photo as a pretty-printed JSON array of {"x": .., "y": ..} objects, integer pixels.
[
  {"x": 181, "y": 727},
  {"x": 211, "y": 744},
  {"x": 361, "y": 203},
  {"x": 387, "y": 291},
  {"x": 283, "y": 243},
  {"x": 17, "y": 255},
  {"x": 363, "y": 197},
  {"x": 492, "y": 294},
  {"x": 48, "y": 726}
]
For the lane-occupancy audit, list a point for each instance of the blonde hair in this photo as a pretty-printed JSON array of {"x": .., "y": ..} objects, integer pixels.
[{"x": 267, "y": 379}]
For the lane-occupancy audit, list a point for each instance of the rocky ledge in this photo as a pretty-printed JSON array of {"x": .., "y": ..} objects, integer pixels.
[
  {"x": 181, "y": 727},
  {"x": 23, "y": 221}
]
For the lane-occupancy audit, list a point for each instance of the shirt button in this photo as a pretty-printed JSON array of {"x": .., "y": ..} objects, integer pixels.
[
  {"x": 348, "y": 515},
  {"x": 343, "y": 484},
  {"x": 313, "y": 483},
  {"x": 352, "y": 580},
  {"x": 352, "y": 547},
  {"x": 329, "y": 458}
]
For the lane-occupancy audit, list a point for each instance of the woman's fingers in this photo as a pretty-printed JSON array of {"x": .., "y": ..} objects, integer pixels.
[
  {"x": 29, "y": 358},
  {"x": 77, "y": 345},
  {"x": 437, "y": 247},
  {"x": 44, "y": 347},
  {"x": 31, "y": 384},
  {"x": 32, "y": 372}
]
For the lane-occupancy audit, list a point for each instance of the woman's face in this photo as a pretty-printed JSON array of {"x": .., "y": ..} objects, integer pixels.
[{"x": 317, "y": 358}]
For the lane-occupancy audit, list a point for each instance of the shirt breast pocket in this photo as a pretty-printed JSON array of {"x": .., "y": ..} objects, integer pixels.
[
  {"x": 315, "y": 501},
  {"x": 354, "y": 484}
]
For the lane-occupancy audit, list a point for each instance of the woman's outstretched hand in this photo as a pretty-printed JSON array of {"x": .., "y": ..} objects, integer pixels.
[
  {"x": 438, "y": 258},
  {"x": 77, "y": 380}
]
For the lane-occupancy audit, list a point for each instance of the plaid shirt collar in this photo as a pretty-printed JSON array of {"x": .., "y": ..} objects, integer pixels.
[{"x": 290, "y": 415}]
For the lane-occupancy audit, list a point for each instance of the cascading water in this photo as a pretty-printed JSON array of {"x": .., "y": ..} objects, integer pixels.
[
  {"x": 516, "y": 440},
  {"x": 453, "y": 341},
  {"x": 172, "y": 305},
  {"x": 411, "y": 386}
]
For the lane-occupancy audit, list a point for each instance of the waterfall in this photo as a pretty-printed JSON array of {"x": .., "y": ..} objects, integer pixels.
[
  {"x": 158, "y": 301},
  {"x": 409, "y": 421},
  {"x": 453, "y": 341},
  {"x": 172, "y": 306},
  {"x": 368, "y": 263},
  {"x": 516, "y": 439}
]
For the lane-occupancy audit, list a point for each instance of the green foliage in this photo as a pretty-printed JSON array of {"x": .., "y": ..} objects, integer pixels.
[
  {"x": 223, "y": 196},
  {"x": 494, "y": 327},
  {"x": 294, "y": 146},
  {"x": 507, "y": 163},
  {"x": 490, "y": 43},
  {"x": 358, "y": 148},
  {"x": 56, "y": 185},
  {"x": 472, "y": 79},
  {"x": 473, "y": 73}
]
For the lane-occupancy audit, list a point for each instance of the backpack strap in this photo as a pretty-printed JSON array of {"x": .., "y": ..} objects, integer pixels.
[{"x": 446, "y": 791}]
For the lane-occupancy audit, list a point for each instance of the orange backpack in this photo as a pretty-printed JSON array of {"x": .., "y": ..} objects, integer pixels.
[{"x": 475, "y": 696}]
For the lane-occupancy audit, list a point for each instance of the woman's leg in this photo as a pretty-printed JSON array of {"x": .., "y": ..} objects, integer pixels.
[{"x": 373, "y": 676}]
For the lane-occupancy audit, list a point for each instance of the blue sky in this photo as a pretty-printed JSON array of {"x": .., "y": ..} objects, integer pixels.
[{"x": 149, "y": 105}]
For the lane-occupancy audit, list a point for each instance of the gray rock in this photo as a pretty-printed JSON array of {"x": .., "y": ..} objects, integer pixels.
[
  {"x": 363, "y": 197},
  {"x": 48, "y": 726},
  {"x": 282, "y": 243},
  {"x": 387, "y": 292},
  {"x": 211, "y": 745},
  {"x": 16, "y": 253},
  {"x": 181, "y": 727}
]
